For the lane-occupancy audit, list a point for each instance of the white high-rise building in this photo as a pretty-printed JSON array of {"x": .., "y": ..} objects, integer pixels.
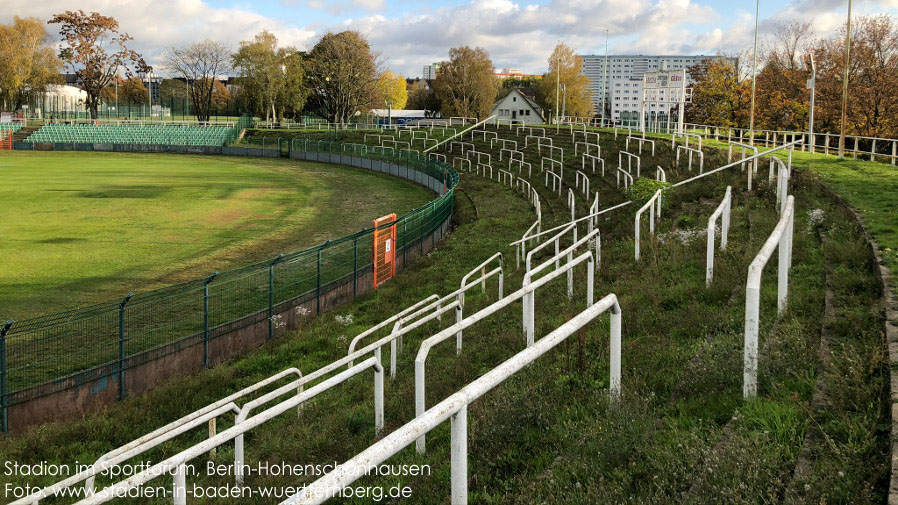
[
  {"x": 430, "y": 71},
  {"x": 623, "y": 77}
]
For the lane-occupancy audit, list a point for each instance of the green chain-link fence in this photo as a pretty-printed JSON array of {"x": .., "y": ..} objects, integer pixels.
[{"x": 52, "y": 353}]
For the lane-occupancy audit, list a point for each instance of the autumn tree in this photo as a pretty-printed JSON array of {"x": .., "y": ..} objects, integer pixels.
[
  {"x": 392, "y": 90},
  {"x": 422, "y": 97},
  {"x": 200, "y": 64},
  {"x": 131, "y": 91},
  {"x": 719, "y": 96},
  {"x": 341, "y": 72},
  {"x": 567, "y": 81},
  {"x": 96, "y": 51},
  {"x": 270, "y": 77},
  {"x": 466, "y": 85},
  {"x": 28, "y": 62},
  {"x": 172, "y": 90}
]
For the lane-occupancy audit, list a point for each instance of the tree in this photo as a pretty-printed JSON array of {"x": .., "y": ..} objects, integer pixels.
[
  {"x": 28, "y": 62},
  {"x": 220, "y": 95},
  {"x": 566, "y": 76},
  {"x": 95, "y": 50},
  {"x": 466, "y": 85},
  {"x": 341, "y": 73},
  {"x": 271, "y": 78},
  {"x": 200, "y": 64},
  {"x": 392, "y": 90},
  {"x": 422, "y": 97},
  {"x": 130, "y": 91},
  {"x": 719, "y": 96},
  {"x": 172, "y": 90}
]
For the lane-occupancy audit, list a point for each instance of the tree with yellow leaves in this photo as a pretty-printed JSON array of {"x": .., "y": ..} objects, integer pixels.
[
  {"x": 28, "y": 62},
  {"x": 392, "y": 91},
  {"x": 566, "y": 75}
]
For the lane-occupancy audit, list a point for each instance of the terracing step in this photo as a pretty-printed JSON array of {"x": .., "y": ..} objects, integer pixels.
[{"x": 24, "y": 133}]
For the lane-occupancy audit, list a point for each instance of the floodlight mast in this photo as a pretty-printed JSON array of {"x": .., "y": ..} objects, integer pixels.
[{"x": 812, "y": 82}]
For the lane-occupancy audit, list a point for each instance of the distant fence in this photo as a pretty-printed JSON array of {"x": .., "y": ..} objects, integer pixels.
[{"x": 70, "y": 362}]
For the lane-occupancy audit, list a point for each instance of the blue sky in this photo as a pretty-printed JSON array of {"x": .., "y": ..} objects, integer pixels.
[{"x": 411, "y": 33}]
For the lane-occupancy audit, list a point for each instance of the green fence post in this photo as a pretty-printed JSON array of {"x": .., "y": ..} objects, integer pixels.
[
  {"x": 206, "y": 318},
  {"x": 121, "y": 346},
  {"x": 355, "y": 262},
  {"x": 271, "y": 295},
  {"x": 318, "y": 280},
  {"x": 404, "y": 242},
  {"x": 4, "y": 423}
]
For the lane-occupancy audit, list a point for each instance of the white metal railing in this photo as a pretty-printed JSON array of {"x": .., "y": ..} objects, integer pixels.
[
  {"x": 781, "y": 239},
  {"x": 691, "y": 151},
  {"x": 526, "y": 294},
  {"x": 790, "y": 145},
  {"x": 455, "y": 407},
  {"x": 641, "y": 141},
  {"x": 140, "y": 445},
  {"x": 630, "y": 158},
  {"x": 660, "y": 174},
  {"x": 654, "y": 208},
  {"x": 176, "y": 464},
  {"x": 593, "y": 159},
  {"x": 731, "y": 144},
  {"x": 556, "y": 181},
  {"x": 461, "y": 133},
  {"x": 685, "y": 137},
  {"x": 723, "y": 212},
  {"x": 581, "y": 177},
  {"x": 506, "y": 177},
  {"x": 628, "y": 179},
  {"x": 521, "y": 165},
  {"x": 552, "y": 163},
  {"x": 586, "y": 146}
]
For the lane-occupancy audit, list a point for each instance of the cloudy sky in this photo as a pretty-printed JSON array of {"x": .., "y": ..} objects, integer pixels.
[{"x": 412, "y": 33}]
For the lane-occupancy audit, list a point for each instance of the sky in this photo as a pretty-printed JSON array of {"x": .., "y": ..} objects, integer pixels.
[{"x": 411, "y": 33}]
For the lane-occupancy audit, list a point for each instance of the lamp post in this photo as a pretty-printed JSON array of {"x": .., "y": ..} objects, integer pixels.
[
  {"x": 845, "y": 86},
  {"x": 604, "y": 77},
  {"x": 754, "y": 71},
  {"x": 812, "y": 83}
]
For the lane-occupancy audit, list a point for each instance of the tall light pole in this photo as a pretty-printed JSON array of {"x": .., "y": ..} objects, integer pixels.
[
  {"x": 557, "y": 85},
  {"x": 845, "y": 86},
  {"x": 754, "y": 71},
  {"x": 812, "y": 84},
  {"x": 604, "y": 77}
]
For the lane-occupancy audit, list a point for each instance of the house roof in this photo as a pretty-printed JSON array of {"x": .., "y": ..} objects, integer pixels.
[{"x": 528, "y": 95}]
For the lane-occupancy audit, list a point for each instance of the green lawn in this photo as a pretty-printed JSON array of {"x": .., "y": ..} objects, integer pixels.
[{"x": 79, "y": 228}]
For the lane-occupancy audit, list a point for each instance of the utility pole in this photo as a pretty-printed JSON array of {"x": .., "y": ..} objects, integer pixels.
[
  {"x": 845, "y": 86},
  {"x": 812, "y": 84},
  {"x": 557, "y": 85},
  {"x": 604, "y": 77},
  {"x": 754, "y": 71}
]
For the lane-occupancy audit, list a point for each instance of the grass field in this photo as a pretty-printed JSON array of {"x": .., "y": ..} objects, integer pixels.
[{"x": 84, "y": 227}]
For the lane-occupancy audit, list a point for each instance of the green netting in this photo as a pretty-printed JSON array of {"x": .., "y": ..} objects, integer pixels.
[{"x": 58, "y": 351}]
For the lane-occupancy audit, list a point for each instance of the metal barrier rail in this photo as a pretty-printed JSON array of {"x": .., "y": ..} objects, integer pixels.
[
  {"x": 586, "y": 145},
  {"x": 654, "y": 206},
  {"x": 176, "y": 464},
  {"x": 660, "y": 174},
  {"x": 780, "y": 238},
  {"x": 790, "y": 145},
  {"x": 723, "y": 212},
  {"x": 455, "y": 407},
  {"x": 526, "y": 293},
  {"x": 588, "y": 156},
  {"x": 686, "y": 137},
  {"x": 630, "y": 158},
  {"x": 552, "y": 163},
  {"x": 691, "y": 151},
  {"x": 628, "y": 179},
  {"x": 641, "y": 141}
]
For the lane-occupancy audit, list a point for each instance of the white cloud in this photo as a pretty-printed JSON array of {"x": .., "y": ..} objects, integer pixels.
[{"x": 515, "y": 33}]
